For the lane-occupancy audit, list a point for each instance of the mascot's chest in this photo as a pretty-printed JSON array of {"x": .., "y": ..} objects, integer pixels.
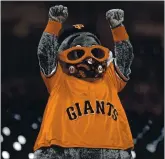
[
  {"x": 82, "y": 97},
  {"x": 77, "y": 88}
]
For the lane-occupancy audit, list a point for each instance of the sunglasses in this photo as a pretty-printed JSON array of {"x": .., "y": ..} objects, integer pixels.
[{"x": 77, "y": 54}]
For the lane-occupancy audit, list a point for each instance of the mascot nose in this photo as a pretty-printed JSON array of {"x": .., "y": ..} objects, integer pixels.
[{"x": 90, "y": 61}]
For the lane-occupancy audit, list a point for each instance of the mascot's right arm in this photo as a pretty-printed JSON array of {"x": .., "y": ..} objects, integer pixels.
[{"x": 48, "y": 45}]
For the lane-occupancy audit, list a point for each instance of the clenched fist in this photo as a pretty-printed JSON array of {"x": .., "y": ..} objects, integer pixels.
[
  {"x": 58, "y": 13},
  {"x": 115, "y": 17}
]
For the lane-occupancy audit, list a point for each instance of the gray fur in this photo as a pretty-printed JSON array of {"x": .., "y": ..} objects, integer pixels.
[
  {"x": 115, "y": 17},
  {"x": 124, "y": 56},
  {"x": 47, "y": 53},
  {"x": 58, "y": 13},
  {"x": 84, "y": 41},
  {"x": 64, "y": 44},
  {"x": 81, "y": 153}
]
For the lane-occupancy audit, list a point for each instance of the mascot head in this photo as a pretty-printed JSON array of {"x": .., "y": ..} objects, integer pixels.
[{"x": 81, "y": 54}]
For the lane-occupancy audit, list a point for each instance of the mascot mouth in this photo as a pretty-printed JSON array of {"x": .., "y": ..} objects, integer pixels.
[{"x": 83, "y": 66}]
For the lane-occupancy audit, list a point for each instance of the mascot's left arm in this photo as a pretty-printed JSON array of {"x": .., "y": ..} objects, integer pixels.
[{"x": 122, "y": 47}]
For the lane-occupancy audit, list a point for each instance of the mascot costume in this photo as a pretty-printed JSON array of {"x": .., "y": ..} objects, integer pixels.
[{"x": 84, "y": 118}]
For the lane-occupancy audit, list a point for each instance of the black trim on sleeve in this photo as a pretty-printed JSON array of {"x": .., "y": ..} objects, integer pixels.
[
  {"x": 52, "y": 73},
  {"x": 119, "y": 73}
]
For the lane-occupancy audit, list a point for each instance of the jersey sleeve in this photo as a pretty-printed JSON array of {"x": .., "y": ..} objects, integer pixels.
[
  {"x": 114, "y": 74},
  {"x": 53, "y": 82}
]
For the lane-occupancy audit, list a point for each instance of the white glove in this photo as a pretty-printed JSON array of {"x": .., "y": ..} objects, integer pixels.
[
  {"x": 115, "y": 17},
  {"x": 58, "y": 13}
]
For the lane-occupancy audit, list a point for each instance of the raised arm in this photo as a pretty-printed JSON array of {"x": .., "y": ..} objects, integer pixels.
[
  {"x": 48, "y": 45},
  {"x": 123, "y": 49}
]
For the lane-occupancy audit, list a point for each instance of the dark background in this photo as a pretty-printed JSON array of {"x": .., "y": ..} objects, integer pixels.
[{"x": 24, "y": 93}]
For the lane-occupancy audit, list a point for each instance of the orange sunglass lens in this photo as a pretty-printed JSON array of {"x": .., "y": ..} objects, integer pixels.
[
  {"x": 75, "y": 54},
  {"x": 98, "y": 53}
]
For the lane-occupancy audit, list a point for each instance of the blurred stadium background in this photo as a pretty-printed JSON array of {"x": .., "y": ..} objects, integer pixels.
[{"x": 24, "y": 94}]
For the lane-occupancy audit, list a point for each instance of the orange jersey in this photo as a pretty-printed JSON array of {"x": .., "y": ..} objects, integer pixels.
[{"x": 84, "y": 114}]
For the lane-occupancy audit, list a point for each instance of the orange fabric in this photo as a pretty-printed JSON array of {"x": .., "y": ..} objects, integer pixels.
[
  {"x": 54, "y": 80},
  {"x": 117, "y": 77},
  {"x": 53, "y": 27},
  {"x": 84, "y": 114},
  {"x": 119, "y": 34}
]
